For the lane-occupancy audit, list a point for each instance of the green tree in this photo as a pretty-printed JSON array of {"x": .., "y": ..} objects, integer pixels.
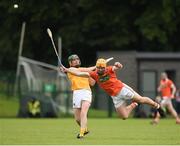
[{"x": 87, "y": 26}]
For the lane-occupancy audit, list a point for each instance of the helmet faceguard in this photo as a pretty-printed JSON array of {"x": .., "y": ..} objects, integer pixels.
[
  {"x": 101, "y": 65},
  {"x": 74, "y": 57}
]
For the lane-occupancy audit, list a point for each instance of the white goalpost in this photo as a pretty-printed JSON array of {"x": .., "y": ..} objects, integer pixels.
[
  {"x": 42, "y": 79},
  {"x": 35, "y": 78},
  {"x": 19, "y": 54},
  {"x": 38, "y": 73}
]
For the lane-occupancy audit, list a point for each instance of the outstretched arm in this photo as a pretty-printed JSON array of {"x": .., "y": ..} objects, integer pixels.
[
  {"x": 117, "y": 65},
  {"x": 75, "y": 71},
  {"x": 87, "y": 69}
]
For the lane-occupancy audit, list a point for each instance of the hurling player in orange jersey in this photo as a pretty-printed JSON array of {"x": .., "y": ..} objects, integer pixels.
[
  {"x": 167, "y": 90},
  {"x": 105, "y": 76}
]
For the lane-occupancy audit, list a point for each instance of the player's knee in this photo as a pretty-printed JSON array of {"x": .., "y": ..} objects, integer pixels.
[{"x": 82, "y": 114}]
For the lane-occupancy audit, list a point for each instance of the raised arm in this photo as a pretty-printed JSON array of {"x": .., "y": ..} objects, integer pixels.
[{"x": 117, "y": 65}]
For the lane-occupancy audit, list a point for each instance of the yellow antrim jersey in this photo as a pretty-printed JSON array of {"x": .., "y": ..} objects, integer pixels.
[{"x": 78, "y": 82}]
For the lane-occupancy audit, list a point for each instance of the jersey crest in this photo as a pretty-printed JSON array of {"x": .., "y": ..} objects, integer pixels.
[{"x": 104, "y": 78}]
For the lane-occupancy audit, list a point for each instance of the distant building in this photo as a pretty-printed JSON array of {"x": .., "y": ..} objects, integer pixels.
[{"x": 142, "y": 72}]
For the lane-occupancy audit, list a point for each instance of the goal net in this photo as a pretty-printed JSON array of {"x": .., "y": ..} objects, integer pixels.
[{"x": 41, "y": 79}]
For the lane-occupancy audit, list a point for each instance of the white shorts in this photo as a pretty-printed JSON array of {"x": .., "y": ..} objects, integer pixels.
[
  {"x": 165, "y": 101},
  {"x": 125, "y": 93},
  {"x": 80, "y": 95}
]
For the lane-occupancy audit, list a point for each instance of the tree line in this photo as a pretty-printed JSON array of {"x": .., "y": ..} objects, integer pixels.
[{"x": 87, "y": 26}]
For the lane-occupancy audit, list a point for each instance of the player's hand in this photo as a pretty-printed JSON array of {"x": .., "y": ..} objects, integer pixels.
[
  {"x": 63, "y": 69},
  {"x": 118, "y": 65},
  {"x": 172, "y": 96}
]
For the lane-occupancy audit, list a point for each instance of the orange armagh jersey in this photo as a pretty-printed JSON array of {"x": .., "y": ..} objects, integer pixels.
[
  {"x": 78, "y": 82},
  {"x": 108, "y": 81},
  {"x": 166, "y": 87}
]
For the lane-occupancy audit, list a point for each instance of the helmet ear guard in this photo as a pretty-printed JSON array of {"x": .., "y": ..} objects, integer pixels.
[{"x": 101, "y": 62}]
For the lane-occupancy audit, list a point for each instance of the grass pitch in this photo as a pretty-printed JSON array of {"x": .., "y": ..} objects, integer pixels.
[{"x": 102, "y": 132}]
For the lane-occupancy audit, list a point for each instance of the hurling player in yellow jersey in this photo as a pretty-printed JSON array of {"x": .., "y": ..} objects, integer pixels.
[{"x": 82, "y": 94}]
